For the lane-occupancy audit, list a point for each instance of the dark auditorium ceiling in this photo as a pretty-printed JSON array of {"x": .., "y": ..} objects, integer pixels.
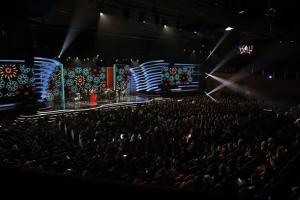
[{"x": 208, "y": 18}]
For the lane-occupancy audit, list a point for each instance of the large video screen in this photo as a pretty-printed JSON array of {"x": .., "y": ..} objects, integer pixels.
[
  {"x": 176, "y": 76},
  {"x": 15, "y": 80}
]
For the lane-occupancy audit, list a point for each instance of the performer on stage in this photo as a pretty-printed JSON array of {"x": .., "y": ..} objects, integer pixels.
[{"x": 93, "y": 97}]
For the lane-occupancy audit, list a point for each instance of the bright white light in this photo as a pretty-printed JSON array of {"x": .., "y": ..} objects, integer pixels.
[
  {"x": 144, "y": 22},
  {"x": 210, "y": 97},
  {"x": 101, "y": 13},
  {"x": 195, "y": 32},
  {"x": 242, "y": 12},
  {"x": 165, "y": 26},
  {"x": 270, "y": 76},
  {"x": 224, "y": 36},
  {"x": 228, "y": 28}
]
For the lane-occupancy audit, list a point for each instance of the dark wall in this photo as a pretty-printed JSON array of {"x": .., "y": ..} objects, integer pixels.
[{"x": 286, "y": 90}]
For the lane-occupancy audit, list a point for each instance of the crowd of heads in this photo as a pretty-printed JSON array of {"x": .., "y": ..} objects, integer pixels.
[{"x": 189, "y": 143}]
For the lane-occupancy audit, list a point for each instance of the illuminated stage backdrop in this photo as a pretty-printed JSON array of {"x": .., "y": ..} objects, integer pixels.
[
  {"x": 16, "y": 79},
  {"x": 121, "y": 77},
  {"x": 156, "y": 75},
  {"x": 76, "y": 80}
]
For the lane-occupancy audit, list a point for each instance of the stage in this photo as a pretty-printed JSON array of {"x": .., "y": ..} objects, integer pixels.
[{"x": 77, "y": 105}]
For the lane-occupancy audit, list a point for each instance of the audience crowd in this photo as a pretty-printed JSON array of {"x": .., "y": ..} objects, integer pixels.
[{"x": 190, "y": 143}]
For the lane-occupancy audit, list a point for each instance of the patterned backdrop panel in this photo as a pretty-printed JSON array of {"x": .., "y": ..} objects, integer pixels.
[
  {"x": 175, "y": 76},
  {"x": 16, "y": 80},
  {"x": 122, "y": 76},
  {"x": 76, "y": 80}
]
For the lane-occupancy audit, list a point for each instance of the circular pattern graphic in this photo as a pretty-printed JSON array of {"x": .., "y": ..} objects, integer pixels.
[
  {"x": 2, "y": 83},
  {"x": 102, "y": 76},
  {"x": 8, "y": 71},
  {"x": 10, "y": 94},
  {"x": 23, "y": 79},
  {"x": 119, "y": 78},
  {"x": 12, "y": 86},
  {"x": 173, "y": 70},
  {"x": 167, "y": 75},
  {"x": 171, "y": 79},
  {"x": 179, "y": 71},
  {"x": 97, "y": 80},
  {"x": 31, "y": 81},
  {"x": 24, "y": 70},
  {"x": 87, "y": 86},
  {"x": 50, "y": 96},
  {"x": 176, "y": 77},
  {"x": 89, "y": 78},
  {"x": 74, "y": 89},
  {"x": 79, "y": 80},
  {"x": 71, "y": 74},
  {"x": 85, "y": 71},
  {"x": 56, "y": 92},
  {"x": 78, "y": 70},
  {"x": 70, "y": 82}
]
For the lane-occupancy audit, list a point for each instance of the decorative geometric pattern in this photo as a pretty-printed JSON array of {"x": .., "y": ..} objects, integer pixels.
[
  {"x": 12, "y": 86},
  {"x": 177, "y": 76},
  {"x": 2, "y": 83},
  {"x": 76, "y": 80},
  {"x": 8, "y": 71},
  {"x": 23, "y": 79},
  {"x": 122, "y": 72},
  {"x": 79, "y": 80},
  {"x": 14, "y": 79}
]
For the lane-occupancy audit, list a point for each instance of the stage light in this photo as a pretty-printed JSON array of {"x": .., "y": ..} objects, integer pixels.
[
  {"x": 228, "y": 28},
  {"x": 242, "y": 12},
  {"x": 270, "y": 76},
  {"x": 218, "y": 44},
  {"x": 165, "y": 23},
  {"x": 195, "y": 32},
  {"x": 100, "y": 9},
  {"x": 144, "y": 22},
  {"x": 210, "y": 97},
  {"x": 229, "y": 56}
]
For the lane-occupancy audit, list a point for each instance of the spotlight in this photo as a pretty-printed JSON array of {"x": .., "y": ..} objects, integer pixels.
[
  {"x": 100, "y": 9},
  {"x": 210, "y": 97},
  {"x": 165, "y": 23},
  {"x": 195, "y": 32},
  {"x": 144, "y": 22},
  {"x": 270, "y": 76},
  {"x": 228, "y": 28}
]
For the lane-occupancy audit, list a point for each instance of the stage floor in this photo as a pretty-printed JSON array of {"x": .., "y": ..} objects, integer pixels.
[{"x": 72, "y": 105}]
